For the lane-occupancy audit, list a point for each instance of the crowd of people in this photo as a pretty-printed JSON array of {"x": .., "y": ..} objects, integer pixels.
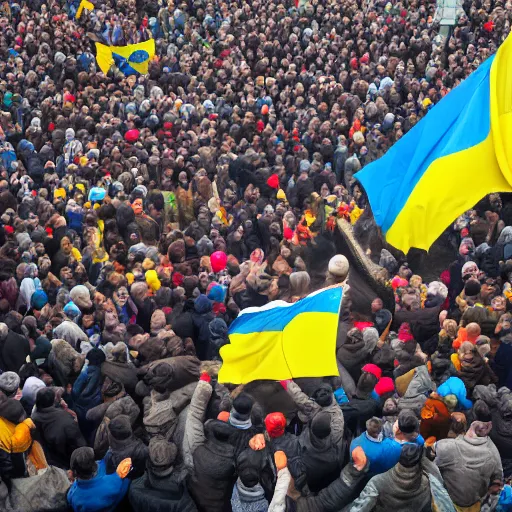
[{"x": 140, "y": 214}]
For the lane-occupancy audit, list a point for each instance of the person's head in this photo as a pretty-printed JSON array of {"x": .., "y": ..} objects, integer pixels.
[
  {"x": 407, "y": 425},
  {"x": 365, "y": 385},
  {"x": 9, "y": 383},
  {"x": 321, "y": 425},
  {"x": 299, "y": 284},
  {"x": 275, "y": 423},
  {"x": 83, "y": 464},
  {"x": 45, "y": 398},
  {"x": 411, "y": 455},
  {"x": 120, "y": 428},
  {"x": 374, "y": 427},
  {"x": 162, "y": 455},
  {"x": 240, "y": 415}
]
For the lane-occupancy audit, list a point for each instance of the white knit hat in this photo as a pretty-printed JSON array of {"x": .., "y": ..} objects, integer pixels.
[{"x": 338, "y": 266}]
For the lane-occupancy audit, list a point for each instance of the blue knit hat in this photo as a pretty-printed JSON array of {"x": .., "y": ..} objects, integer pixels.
[{"x": 39, "y": 299}]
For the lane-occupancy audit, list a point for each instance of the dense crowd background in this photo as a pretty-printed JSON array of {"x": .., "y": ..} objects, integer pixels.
[{"x": 140, "y": 214}]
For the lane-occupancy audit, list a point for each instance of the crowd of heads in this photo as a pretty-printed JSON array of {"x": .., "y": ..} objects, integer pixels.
[{"x": 139, "y": 214}]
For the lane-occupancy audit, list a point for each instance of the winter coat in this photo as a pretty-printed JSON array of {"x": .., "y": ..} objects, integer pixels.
[
  {"x": 208, "y": 455},
  {"x": 357, "y": 412},
  {"x": 151, "y": 493},
  {"x": 501, "y": 436},
  {"x": 502, "y": 364},
  {"x": 403, "y": 489},
  {"x": 337, "y": 495},
  {"x": 322, "y": 459},
  {"x": 59, "y": 435},
  {"x": 45, "y": 492},
  {"x": 415, "y": 396},
  {"x": 438, "y": 424},
  {"x": 455, "y": 386},
  {"x": 476, "y": 372},
  {"x": 103, "y": 492},
  {"x": 202, "y": 316},
  {"x": 248, "y": 499},
  {"x": 468, "y": 466},
  {"x": 14, "y": 350},
  {"x": 161, "y": 410},
  {"x": 123, "y": 373},
  {"x": 309, "y": 409}
]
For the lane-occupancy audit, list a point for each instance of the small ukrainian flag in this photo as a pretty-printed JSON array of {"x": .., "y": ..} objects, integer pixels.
[
  {"x": 131, "y": 59},
  {"x": 282, "y": 341}
]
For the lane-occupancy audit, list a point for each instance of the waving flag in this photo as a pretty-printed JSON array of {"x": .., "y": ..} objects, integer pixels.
[
  {"x": 132, "y": 59},
  {"x": 456, "y": 155},
  {"x": 282, "y": 341}
]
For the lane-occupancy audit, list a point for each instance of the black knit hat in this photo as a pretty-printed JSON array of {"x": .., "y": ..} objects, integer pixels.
[
  {"x": 120, "y": 427},
  {"x": 472, "y": 288},
  {"x": 96, "y": 357},
  {"x": 323, "y": 395},
  {"x": 481, "y": 411},
  {"x": 45, "y": 397},
  {"x": 242, "y": 407},
  {"x": 411, "y": 455},
  {"x": 321, "y": 425}
]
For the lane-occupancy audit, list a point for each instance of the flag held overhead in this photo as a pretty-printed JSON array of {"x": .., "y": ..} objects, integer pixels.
[
  {"x": 449, "y": 161},
  {"x": 132, "y": 59},
  {"x": 282, "y": 341}
]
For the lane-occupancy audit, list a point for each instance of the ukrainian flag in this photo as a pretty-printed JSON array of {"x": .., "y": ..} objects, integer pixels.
[
  {"x": 132, "y": 59},
  {"x": 84, "y": 4},
  {"x": 460, "y": 152},
  {"x": 282, "y": 341}
]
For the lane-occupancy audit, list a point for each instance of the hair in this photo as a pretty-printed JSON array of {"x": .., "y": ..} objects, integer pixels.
[
  {"x": 374, "y": 426},
  {"x": 299, "y": 283},
  {"x": 82, "y": 463},
  {"x": 408, "y": 422},
  {"x": 45, "y": 397}
]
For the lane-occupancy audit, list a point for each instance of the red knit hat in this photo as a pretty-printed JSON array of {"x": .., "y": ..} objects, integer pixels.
[
  {"x": 288, "y": 233},
  {"x": 51, "y": 127},
  {"x": 404, "y": 332},
  {"x": 353, "y": 63},
  {"x": 260, "y": 126},
  {"x": 132, "y": 135},
  {"x": 9, "y": 230},
  {"x": 177, "y": 279},
  {"x": 273, "y": 181},
  {"x": 275, "y": 423},
  {"x": 385, "y": 385},
  {"x": 489, "y": 26},
  {"x": 373, "y": 369}
]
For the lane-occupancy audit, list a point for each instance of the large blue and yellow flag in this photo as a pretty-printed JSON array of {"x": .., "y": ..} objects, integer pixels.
[
  {"x": 460, "y": 152},
  {"x": 84, "y": 4},
  {"x": 131, "y": 59},
  {"x": 282, "y": 341}
]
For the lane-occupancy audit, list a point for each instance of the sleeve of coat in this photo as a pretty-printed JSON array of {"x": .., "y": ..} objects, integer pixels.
[
  {"x": 21, "y": 438},
  {"x": 302, "y": 401},
  {"x": 278, "y": 503},
  {"x": 337, "y": 495},
  {"x": 194, "y": 426},
  {"x": 367, "y": 499}
]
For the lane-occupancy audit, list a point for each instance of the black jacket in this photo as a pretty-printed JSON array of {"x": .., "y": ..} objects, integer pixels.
[
  {"x": 13, "y": 352},
  {"x": 59, "y": 434},
  {"x": 212, "y": 480},
  {"x": 340, "y": 493},
  {"x": 151, "y": 494}
]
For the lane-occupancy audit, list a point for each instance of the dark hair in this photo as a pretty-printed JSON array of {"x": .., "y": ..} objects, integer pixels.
[
  {"x": 374, "y": 426},
  {"x": 407, "y": 422},
  {"x": 481, "y": 411},
  {"x": 82, "y": 463},
  {"x": 45, "y": 397}
]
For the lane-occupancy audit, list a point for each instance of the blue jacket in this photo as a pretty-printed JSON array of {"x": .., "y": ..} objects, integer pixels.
[
  {"x": 101, "y": 494},
  {"x": 455, "y": 386},
  {"x": 87, "y": 390},
  {"x": 382, "y": 454}
]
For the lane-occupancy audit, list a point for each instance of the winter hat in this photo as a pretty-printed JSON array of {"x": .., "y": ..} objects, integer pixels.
[
  {"x": 217, "y": 293},
  {"x": 321, "y": 425},
  {"x": 339, "y": 266},
  {"x": 119, "y": 354},
  {"x": 39, "y": 299},
  {"x": 96, "y": 357},
  {"x": 273, "y": 181},
  {"x": 275, "y": 423},
  {"x": 152, "y": 280},
  {"x": 373, "y": 369},
  {"x": 41, "y": 351},
  {"x": 472, "y": 288},
  {"x": 9, "y": 383},
  {"x": 120, "y": 427},
  {"x": 385, "y": 385},
  {"x": 81, "y": 297},
  {"x": 410, "y": 455},
  {"x": 323, "y": 395},
  {"x": 240, "y": 415},
  {"x": 162, "y": 455},
  {"x": 45, "y": 397}
]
